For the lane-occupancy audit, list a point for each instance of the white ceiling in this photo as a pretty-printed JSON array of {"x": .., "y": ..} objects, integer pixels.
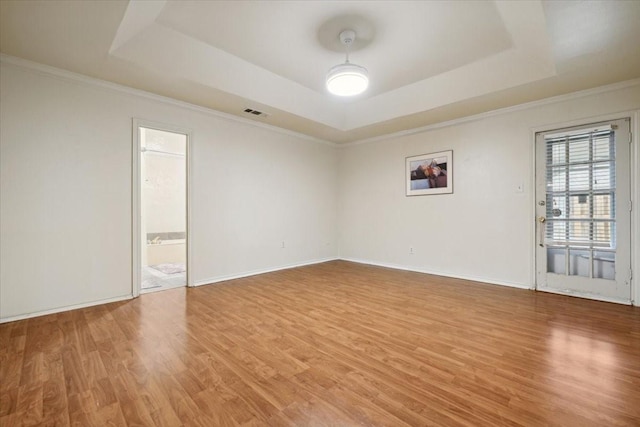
[{"x": 428, "y": 61}]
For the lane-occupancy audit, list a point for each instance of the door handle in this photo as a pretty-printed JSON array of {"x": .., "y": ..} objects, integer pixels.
[{"x": 541, "y": 220}]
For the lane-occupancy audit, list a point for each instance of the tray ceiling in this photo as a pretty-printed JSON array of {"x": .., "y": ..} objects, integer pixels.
[{"x": 428, "y": 61}]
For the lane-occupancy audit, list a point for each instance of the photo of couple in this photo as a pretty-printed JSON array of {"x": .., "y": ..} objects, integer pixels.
[{"x": 427, "y": 174}]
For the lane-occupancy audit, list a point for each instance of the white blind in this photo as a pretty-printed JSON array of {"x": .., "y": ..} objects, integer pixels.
[{"x": 580, "y": 188}]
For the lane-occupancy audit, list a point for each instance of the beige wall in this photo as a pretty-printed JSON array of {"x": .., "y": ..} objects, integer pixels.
[
  {"x": 65, "y": 200},
  {"x": 482, "y": 231}
]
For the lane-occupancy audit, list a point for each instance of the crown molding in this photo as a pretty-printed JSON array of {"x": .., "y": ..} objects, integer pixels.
[
  {"x": 514, "y": 108},
  {"x": 95, "y": 82},
  {"x": 103, "y": 84}
]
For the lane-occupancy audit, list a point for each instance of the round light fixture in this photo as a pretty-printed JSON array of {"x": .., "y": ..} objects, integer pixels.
[{"x": 347, "y": 79}]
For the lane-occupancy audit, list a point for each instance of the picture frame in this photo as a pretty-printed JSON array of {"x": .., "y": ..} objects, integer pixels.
[{"x": 429, "y": 174}]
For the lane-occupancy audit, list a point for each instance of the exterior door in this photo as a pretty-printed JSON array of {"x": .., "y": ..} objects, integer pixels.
[{"x": 583, "y": 204}]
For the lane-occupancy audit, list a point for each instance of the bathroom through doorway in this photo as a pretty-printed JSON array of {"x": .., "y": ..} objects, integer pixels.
[{"x": 162, "y": 193}]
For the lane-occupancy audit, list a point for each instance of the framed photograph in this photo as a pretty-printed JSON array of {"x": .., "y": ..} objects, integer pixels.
[{"x": 430, "y": 174}]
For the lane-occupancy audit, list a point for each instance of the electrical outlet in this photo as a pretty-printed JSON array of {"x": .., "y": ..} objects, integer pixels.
[
  {"x": 411, "y": 250},
  {"x": 283, "y": 244}
]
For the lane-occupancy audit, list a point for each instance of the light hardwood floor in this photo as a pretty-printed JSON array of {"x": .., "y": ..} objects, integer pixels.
[{"x": 334, "y": 344}]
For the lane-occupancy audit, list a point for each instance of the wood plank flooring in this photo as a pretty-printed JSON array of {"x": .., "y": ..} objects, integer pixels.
[{"x": 335, "y": 344}]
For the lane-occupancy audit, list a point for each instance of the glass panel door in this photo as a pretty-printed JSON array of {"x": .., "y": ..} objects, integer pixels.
[{"x": 582, "y": 187}]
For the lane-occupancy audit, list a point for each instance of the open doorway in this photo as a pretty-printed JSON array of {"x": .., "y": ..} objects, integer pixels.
[{"x": 161, "y": 220}]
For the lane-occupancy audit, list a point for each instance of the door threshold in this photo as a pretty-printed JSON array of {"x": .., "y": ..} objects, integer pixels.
[
  {"x": 594, "y": 297},
  {"x": 161, "y": 288}
]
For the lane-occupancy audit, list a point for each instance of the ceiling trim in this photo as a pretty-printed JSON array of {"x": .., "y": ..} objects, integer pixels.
[
  {"x": 94, "y": 82},
  {"x": 514, "y": 108}
]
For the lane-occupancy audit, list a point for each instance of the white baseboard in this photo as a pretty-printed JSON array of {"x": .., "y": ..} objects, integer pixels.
[
  {"x": 218, "y": 279},
  {"x": 442, "y": 273},
  {"x": 311, "y": 262},
  {"x": 64, "y": 308}
]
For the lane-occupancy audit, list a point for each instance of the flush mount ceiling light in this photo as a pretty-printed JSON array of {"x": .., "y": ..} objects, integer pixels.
[{"x": 347, "y": 79}]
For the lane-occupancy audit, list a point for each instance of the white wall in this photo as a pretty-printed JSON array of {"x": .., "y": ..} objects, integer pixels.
[
  {"x": 65, "y": 201},
  {"x": 483, "y": 230},
  {"x": 65, "y": 192}
]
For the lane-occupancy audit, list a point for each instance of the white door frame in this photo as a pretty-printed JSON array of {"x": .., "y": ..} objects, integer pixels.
[
  {"x": 635, "y": 199},
  {"x": 136, "y": 191},
  {"x": 634, "y": 161}
]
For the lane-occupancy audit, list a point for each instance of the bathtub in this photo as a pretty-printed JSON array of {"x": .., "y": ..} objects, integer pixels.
[{"x": 167, "y": 251}]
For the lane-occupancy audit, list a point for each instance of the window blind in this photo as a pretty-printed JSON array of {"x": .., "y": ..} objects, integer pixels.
[{"x": 580, "y": 188}]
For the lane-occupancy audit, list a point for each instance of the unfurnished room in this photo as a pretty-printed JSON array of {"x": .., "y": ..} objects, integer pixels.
[{"x": 319, "y": 213}]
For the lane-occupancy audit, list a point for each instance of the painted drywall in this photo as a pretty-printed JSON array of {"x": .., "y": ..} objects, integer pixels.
[
  {"x": 65, "y": 201},
  {"x": 482, "y": 231}
]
